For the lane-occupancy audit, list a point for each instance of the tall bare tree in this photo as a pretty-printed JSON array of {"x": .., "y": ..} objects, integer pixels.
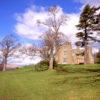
[
  {"x": 52, "y": 37},
  {"x": 8, "y": 46}
]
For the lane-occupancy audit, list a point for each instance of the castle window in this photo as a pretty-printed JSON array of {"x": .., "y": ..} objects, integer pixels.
[
  {"x": 64, "y": 60},
  {"x": 65, "y": 52}
]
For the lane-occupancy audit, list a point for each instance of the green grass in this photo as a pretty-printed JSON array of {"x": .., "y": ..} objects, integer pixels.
[
  {"x": 26, "y": 84},
  {"x": 79, "y": 68}
]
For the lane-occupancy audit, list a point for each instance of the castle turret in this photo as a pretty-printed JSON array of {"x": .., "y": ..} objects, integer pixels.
[{"x": 65, "y": 54}]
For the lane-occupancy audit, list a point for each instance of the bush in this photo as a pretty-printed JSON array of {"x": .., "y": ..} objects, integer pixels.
[
  {"x": 47, "y": 63},
  {"x": 98, "y": 57},
  {"x": 97, "y": 60},
  {"x": 44, "y": 65},
  {"x": 39, "y": 67},
  {"x": 55, "y": 64}
]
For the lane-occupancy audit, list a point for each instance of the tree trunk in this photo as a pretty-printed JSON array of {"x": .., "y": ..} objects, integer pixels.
[
  {"x": 86, "y": 55},
  {"x": 4, "y": 67},
  {"x": 86, "y": 46},
  {"x": 4, "y": 64},
  {"x": 51, "y": 63},
  {"x": 51, "y": 59}
]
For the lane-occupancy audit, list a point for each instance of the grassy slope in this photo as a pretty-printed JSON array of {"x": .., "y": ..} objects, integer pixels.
[{"x": 25, "y": 84}]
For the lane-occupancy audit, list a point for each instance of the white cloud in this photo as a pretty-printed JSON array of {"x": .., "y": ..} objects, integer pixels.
[
  {"x": 91, "y": 2},
  {"x": 70, "y": 28},
  {"x": 27, "y": 23},
  {"x": 25, "y": 60}
]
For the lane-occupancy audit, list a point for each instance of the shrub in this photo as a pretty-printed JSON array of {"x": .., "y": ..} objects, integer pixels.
[
  {"x": 98, "y": 57},
  {"x": 55, "y": 64},
  {"x": 44, "y": 65},
  {"x": 47, "y": 63},
  {"x": 97, "y": 60},
  {"x": 39, "y": 67}
]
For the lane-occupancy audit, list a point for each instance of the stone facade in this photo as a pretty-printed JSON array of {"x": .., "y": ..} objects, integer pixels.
[{"x": 67, "y": 55}]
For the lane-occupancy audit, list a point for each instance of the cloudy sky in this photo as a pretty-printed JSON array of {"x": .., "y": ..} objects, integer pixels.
[{"x": 19, "y": 17}]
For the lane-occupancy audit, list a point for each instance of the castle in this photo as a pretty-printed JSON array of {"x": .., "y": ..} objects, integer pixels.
[{"x": 67, "y": 55}]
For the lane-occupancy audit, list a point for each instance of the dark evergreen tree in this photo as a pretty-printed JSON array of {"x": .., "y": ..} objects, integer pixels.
[{"x": 87, "y": 25}]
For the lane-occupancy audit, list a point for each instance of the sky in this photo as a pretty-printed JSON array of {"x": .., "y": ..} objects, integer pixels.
[
  {"x": 9, "y": 9},
  {"x": 19, "y": 17}
]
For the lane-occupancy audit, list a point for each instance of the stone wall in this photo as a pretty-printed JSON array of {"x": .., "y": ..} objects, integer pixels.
[{"x": 67, "y": 55}]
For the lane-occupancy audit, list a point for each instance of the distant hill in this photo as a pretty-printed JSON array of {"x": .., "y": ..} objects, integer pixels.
[{"x": 9, "y": 66}]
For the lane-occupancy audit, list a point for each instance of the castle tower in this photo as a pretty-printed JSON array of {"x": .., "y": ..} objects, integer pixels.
[{"x": 65, "y": 54}]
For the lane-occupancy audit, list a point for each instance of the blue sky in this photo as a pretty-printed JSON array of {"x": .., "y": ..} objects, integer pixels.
[{"x": 10, "y": 8}]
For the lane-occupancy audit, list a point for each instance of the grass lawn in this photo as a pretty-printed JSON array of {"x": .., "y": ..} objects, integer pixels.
[{"x": 26, "y": 84}]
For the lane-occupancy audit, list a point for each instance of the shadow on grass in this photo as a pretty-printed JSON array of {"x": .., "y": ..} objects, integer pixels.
[
  {"x": 77, "y": 69},
  {"x": 93, "y": 70},
  {"x": 81, "y": 79}
]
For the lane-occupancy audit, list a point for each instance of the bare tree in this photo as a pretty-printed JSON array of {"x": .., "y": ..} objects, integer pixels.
[
  {"x": 43, "y": 52},
  {"x": 8, "y": 46},
  {"x": 52, "y": 38},
  {"x": 28, "y": 50}
]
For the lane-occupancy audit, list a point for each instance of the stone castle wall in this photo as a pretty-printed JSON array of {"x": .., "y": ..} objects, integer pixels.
[{"x": 67, "y": 55}]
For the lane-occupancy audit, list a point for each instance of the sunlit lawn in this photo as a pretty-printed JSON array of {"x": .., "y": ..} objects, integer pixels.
[{"x": 26, "y": 84}]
